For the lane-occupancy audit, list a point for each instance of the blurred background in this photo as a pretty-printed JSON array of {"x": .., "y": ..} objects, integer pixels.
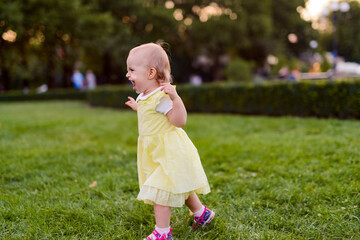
[{"x": 84, "y": 43}]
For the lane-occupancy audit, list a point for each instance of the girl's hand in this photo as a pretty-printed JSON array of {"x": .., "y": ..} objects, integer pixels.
[
  {"x": 170, "y": 90},
  {"x": 132, "y": 103}
]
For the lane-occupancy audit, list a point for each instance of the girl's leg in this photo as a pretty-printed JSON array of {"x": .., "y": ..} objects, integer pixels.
[
  {"x": 193, "y": 203},
  {"x": 202, "y": 215},
  {"x": 162, "y": 215},
  {"x": 162, "y": 227}
]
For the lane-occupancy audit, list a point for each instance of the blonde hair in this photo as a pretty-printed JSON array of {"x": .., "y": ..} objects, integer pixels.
[{"x": 158, "y": 59}]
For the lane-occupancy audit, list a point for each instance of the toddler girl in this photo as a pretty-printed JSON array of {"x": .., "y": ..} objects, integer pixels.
[{"x": 169, "y": 167}]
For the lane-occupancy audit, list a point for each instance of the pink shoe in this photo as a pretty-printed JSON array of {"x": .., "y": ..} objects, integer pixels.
[
  {"x": 155, "y": 235},
  {"x": 204, "y": 219}
]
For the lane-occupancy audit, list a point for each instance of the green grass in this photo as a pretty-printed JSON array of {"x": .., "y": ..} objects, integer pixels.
[{"x": 271, "y": 178}]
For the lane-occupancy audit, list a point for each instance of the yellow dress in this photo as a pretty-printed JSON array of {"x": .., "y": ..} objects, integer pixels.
[{"x": 168, "y": 163}]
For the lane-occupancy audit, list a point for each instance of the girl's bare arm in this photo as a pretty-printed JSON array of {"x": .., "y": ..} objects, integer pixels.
[{"x": 177, "y": 115}]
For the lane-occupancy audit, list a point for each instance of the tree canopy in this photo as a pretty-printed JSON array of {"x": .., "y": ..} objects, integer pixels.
[
  {"x": 44, "y": 41},
  {"x": 346, "y": 33}
]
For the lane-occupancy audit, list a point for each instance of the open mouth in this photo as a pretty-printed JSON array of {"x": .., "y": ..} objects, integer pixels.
[{"x": 133, "y": 83}]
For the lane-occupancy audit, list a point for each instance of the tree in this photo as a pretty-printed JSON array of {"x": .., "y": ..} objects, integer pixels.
[
  {"x": 49, "y": 33},
  {"x": 347, "y": 33},
  {"x": 135, "y": 22},
  {"x": 58, "y": 35},
  {"x": 247, "y": 29},
  {"x": 11, "y": 18}
]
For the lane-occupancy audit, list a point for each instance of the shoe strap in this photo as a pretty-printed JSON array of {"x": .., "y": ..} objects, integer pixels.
[
  {"x": 201, "y": 218},
  {"x": 156, "y": 234},
  {"x": 203, "y": 212}
]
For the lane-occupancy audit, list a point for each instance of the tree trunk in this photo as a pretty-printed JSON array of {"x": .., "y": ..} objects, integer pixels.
[
  {"x": 4, "y": 78},
  {"x": 4, "y": 71},
  {"x": 106, "y": 76},
  {"x": 50, "y": 73},
  {"x": 66, "y": 76},
  {"x": 217, "y": 68}
]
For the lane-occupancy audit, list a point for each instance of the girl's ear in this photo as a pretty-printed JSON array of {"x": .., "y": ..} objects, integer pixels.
[{"x": 152, "y": 73}]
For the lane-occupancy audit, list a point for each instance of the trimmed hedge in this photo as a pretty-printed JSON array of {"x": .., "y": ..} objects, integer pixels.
[
  {"x": 56, "y": 94},
  {"x": 321, "y": 98},
  {"x": 111, "y": 96}
]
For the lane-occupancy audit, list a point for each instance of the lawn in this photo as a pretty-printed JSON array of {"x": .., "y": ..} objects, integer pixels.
[{"x": 271, "y": 178}]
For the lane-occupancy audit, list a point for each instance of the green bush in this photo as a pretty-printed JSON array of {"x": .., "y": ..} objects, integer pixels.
[
  {"x": 110, "y": 96},
  {"x": 321, "y": 98},
  {"x": 340, "y": 99},
  {"x": 56, "y": 94},
  {"x": 239, "y": 70}
]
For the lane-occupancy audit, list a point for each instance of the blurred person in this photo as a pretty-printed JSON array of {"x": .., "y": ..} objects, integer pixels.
[
  {"x": 78, "y": 79},
  {"x": 25, "y": 87},
  {"x": 169, "y": 168},
  {"x": 42, "y": 88},
  {"x": 195, "y": 80},
  {"x": 295, "y": 75},
  {"x": 315, "y": 68},
  {"x": 283, "y": 72},
  {"x": 90, "y": 80}
]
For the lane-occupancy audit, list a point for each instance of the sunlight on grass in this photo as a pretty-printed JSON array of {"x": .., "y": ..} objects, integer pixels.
[{"x": 271, "y": 178}]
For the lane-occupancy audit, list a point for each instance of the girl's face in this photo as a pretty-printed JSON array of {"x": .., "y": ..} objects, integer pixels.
[{"x": 137, "y": 72}]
